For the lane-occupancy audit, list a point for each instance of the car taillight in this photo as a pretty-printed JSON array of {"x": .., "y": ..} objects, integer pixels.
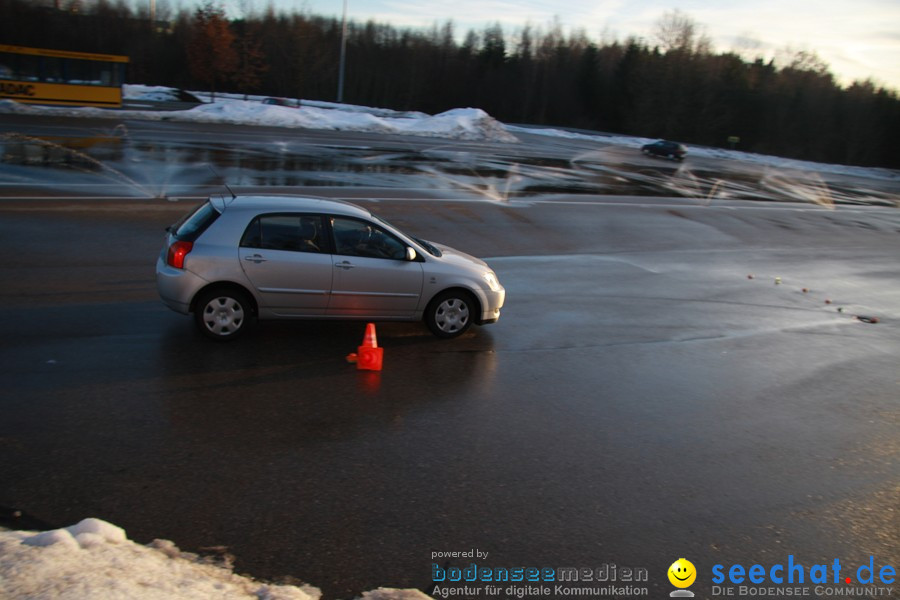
[{"x": 177, "y": 252}]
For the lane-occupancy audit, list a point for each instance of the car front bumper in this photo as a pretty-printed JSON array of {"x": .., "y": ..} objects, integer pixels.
[{"x": 491, "y": 305}]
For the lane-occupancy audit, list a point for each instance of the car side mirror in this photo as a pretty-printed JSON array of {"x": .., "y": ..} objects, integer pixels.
[{"x": 410, "y": 253}]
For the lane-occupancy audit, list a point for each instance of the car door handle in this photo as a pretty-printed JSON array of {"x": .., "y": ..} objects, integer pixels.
[
  {"x": 344, "y": 265},
  {"x": 255, "y": 258}
]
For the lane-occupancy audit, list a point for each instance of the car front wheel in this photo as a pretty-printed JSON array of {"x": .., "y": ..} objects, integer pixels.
[
  {"x": 223, "y": 314},
  {"x": 450, "y": 314}
]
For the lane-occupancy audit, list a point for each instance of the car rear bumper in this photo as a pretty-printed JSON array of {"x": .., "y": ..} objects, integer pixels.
[{"x": 176, "y": 287}]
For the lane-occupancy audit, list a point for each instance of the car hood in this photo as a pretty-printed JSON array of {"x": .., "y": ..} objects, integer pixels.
[{"x": 455, "y": 257}]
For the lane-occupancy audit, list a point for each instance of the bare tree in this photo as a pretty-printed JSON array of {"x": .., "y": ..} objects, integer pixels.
[
  {"x": 210, "y": 51},
  {"x": 801, "y": 60},
  {"x": 677, "y": 31}
]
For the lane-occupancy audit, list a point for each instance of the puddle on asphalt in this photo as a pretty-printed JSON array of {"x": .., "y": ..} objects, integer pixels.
[
  {"x": 155, "y": 168},
  {"x": 87, "y": 153}
]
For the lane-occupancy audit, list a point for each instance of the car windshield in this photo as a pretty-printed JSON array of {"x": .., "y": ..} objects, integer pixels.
[{"x": 428, "y": 247}]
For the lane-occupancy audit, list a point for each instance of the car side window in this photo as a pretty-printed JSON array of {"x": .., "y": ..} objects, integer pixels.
[
  {"x": 353, "y": 237},
  {"x": 294, "y": 233}
]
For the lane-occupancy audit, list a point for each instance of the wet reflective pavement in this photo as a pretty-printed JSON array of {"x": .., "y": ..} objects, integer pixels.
[
  {"x": 157, "y": 159},
  {"x": 649, "y": 392}
]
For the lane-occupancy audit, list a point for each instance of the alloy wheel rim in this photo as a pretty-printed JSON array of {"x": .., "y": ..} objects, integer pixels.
[
  {"x": 223, "y": 316},
  {"x": 452, "y": 315}
]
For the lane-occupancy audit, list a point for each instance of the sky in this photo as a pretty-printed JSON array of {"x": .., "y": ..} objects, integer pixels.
[{"x": 859, "y": 39}]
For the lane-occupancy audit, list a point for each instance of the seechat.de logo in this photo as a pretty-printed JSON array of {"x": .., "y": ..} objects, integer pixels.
[{"x": 682, "y": 574}]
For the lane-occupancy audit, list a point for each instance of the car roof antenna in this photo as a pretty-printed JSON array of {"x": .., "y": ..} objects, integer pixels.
[{"x": 230, "y": 191}]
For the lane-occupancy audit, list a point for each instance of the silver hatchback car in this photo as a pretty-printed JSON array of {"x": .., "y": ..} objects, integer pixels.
[{"x": 232, "y": 260}]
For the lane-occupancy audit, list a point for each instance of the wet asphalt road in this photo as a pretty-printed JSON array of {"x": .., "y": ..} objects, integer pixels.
[{"x": 641, "y": 398}]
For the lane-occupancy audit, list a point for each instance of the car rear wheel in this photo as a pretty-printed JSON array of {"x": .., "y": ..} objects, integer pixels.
[
  {"x": 450, "y": 314},
  {"x": 223, "y": 314}
]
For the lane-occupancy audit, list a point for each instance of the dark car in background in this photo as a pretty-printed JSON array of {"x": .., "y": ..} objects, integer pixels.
[
  {"x": 666, "y": 149},
  {"x": 281, "y": 102}
]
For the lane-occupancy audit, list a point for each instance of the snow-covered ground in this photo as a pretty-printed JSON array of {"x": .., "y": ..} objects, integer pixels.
[
  {"x": 470, "y": 124},
  {"x": 460, "y": 123},
  {"x": 95, "y": 559}
]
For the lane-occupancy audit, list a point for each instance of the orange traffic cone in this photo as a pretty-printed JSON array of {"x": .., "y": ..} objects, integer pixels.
[
  {"x": 371, "y": 340},
  {"x": 369, "y": 356}
]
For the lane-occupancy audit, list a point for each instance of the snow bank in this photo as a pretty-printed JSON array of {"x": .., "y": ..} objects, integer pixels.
[
  {"x": 95, "y": 559},
  {"x": 150, "y": 93},
  {"x": 129, "y": 89},
  {"x": 459, "y": 124}
]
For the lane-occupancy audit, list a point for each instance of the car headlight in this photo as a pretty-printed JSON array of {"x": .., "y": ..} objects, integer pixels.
[{"x": 491, "y": 279}]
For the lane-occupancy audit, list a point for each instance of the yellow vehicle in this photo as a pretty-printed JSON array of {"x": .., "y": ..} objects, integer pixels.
[{"x": 40, "y": 76}]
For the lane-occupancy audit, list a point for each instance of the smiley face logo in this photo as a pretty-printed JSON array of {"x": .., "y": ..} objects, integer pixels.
[{"x": 682, "y": 573}]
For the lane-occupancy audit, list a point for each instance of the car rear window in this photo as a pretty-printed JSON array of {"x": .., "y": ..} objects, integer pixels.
[
  {"x": 193, "y": 224},
  {"x": 291, "y": 232}
]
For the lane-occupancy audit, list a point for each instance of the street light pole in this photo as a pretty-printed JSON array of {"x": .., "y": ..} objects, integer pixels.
[{"x": 340, "y": 94}]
